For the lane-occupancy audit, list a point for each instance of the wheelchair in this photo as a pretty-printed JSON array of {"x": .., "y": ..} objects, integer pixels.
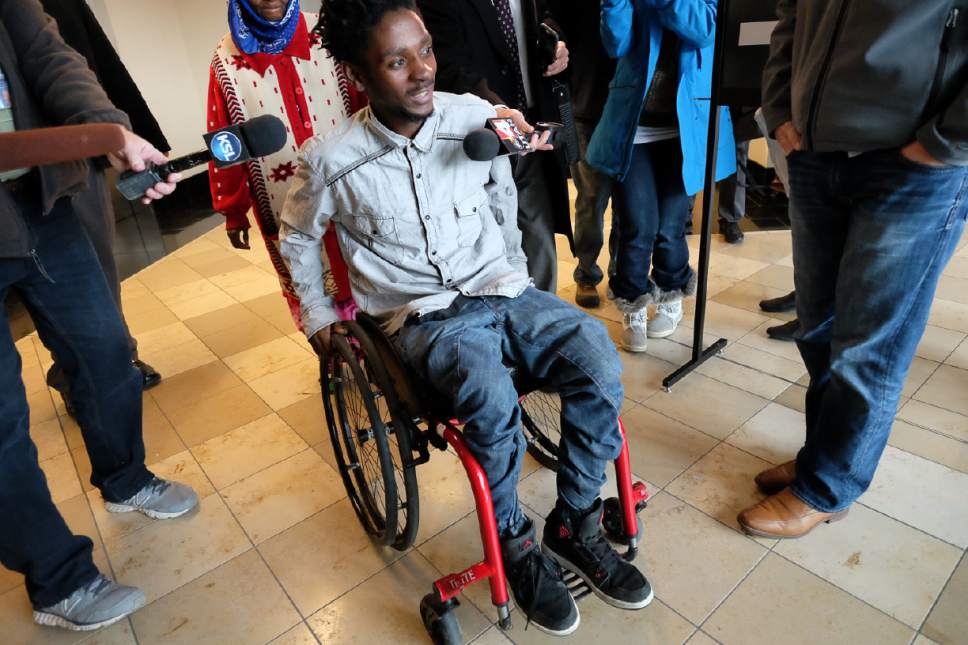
[{"x": 383, "y": 423}]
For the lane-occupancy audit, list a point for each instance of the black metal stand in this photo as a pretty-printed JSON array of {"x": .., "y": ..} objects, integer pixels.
[{"x": 700, "y": 356}]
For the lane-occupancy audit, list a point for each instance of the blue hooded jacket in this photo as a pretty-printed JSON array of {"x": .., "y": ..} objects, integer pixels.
[{"x": 632, "y": 32}]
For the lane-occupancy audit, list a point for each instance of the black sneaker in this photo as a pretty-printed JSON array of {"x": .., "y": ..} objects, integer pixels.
[
  {"x": 785, "y": 331},
  {"x": 535, "y": 581},
  {"x": 577, "y": 544}
]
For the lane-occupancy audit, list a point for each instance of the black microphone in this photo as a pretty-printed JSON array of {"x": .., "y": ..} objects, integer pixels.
[
  {"x": 258, "y": 137},
  {"x": 482, "y": 145}
]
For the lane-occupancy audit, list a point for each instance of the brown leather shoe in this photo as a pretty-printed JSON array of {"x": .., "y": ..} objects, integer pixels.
[
  {"x": 587, "y": 296},
  {"x": 775, "y": 479},
  {"x": 784, "y": 516}
]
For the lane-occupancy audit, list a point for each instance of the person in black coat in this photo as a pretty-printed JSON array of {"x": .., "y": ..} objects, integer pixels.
[{"x": 476, "y": 56}]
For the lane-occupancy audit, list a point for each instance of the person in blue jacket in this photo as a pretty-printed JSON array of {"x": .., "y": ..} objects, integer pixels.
[{"x": 652, "y": 140}]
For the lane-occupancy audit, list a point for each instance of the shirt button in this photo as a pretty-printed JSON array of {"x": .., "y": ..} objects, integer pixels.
[
  {"x": 299, "y": 91},
  {"x": 419, "y": 175},
  {"x": 427, "y": 217},
  {"x": 308, "y": 124},
  {"x": 432, "y": 252}
]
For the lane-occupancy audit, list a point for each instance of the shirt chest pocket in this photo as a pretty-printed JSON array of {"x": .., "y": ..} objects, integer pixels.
[
  {"x": 375, "y": 229},
  {"x": 469, "y": 212}
]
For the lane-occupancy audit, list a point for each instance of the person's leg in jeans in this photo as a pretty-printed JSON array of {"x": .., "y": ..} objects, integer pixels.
[
  {"x": 594, "y": 189},
  {"x": 899, "y": 214},
  {"x": 34, "y": 539},
  {"x": 77, "y": 319},
  {"x": 536, "y": 221},
  {"x": 732, "y": 197}
]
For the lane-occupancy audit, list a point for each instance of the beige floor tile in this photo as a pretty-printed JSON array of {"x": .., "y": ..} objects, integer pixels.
[
  {"x": 246, "y": 283},
  {"x": 724, "y": 408},
  {"x": 83, "y": 464},
  {"x": 41, "y": 406},
  {"x": 642, "y": 375},
  {"x": 794, "y": 397},
  {"x": 216, "y": 263},
  {"x": 227, "y": 410},
  {"x": 693, "y": 561},
  {"x": 661, "y": 448},
  {"x": 308, "y": 419},
  {"x": 953, "y": 288},
  {"x": 493, "y": 636},
  {"x": 289, "y": 385},
  {"x": 191, "y": 307},
  {"x": 923, "y": 640},
  {"x": 948, "y": 621},
  {"x": 175, "y": 360},
  {"x": 775, "y": 434},
  {"x": 604, "y": 625},
  {"x": 894, "y": 567},
  {"x": 273, "y": 308},
  {"x": 959, "y": 357},
  {"x": 669, "y": 351},
  {"x": 957, "y": 267},
  {"x": 938, "y": 419},
  {"x": 167, "y": 273},
  {"x": 181, "y": 468},
  {"x": 25, "y": 347},
  {"x": 759, "y": 340},
  {"x": 164, "y": 338},
  {"x": 445, "y": 494},
  {"x": 9, "y": 580},
  {"x": 921, "y": 370},
  {"x": 149, "y": 320},
  {"x": 938, "y": 343},
  {"x": 747, "y": 295},
  {"x": 324, "y": 556},
  {"x": 921, "y": 493},
  {"x": 283, "y": 495},
  {"x": 950, "y": 315},
  {"x": 161, "y": 440},
  {"x": 234, "y": 455},
  {"x": 234, "y": 340},
  {"x": 62, "y": 477},
  {"x": 166, "y": 555},
  {"x": 930, "y": 445},
  {"x": 397, "y": 591},
  {"x": 49, "y": 439},
  {"x": 729, "y": 322},
  {"x": 193, "y": 386},
  {"x": 221, "y": 319},
  {"x": 240, "y": 602},
  {"x": 721, "y": 483},
  {"x": 783, "y": 368},
  {"x": 198, "y": 245},
  {"x": 266, "y": 358},
  {"x": 539, "y": 491},
  {"x": 298, "y": 635},
  {"x": 776, "y": 276},
  {"x": 781, "y": 603},
  {"x": 34, "y": 378},
  {"x": 766, "y": 246},
  {"x": 701, "y": 638},
  {"x": 946, "y": 389},
  {"x": 734, "y": 266},
  {"x": 743, "y": 377}
]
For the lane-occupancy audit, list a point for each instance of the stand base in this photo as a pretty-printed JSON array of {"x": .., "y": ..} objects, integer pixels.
[{"x": 689, "y": 367}]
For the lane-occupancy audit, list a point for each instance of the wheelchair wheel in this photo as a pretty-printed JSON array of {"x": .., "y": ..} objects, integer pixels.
[
  {"x": 374, "y": 460},
  {"x": 541, "y": 418}
]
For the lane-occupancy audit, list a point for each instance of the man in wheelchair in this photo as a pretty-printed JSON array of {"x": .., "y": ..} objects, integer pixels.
[{"x": 434, "y": 253}]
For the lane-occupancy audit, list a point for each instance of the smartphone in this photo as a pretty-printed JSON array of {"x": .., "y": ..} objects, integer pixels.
[{"x": 513, "y": 140}]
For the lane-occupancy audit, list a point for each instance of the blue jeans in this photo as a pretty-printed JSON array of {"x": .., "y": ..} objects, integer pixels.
[
  {"x": 78, "y": 320},
  {"x": 463, "y": 352},
  {"x": 652, "y": 208},
  {"x": 871, "y": 236}
]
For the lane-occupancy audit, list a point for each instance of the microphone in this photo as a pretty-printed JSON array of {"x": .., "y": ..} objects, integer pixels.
[
  {"x": 482, "y": 145},
  {"x": 501, "y": 137},
  {"x": 235, "y": 144},
  {"x": 45, "y": 146}
]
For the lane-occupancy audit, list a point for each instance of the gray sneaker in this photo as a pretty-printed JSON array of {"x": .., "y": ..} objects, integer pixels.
[
  {"x": 667, "y": 317},
  {"x": 159, "y": 499},
  {"x": 634, "y": 338},
  {"x": 97, "y": 604}
]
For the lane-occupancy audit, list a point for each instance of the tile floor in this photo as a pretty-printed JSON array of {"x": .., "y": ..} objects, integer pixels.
[{"x": 274, "y": 553}]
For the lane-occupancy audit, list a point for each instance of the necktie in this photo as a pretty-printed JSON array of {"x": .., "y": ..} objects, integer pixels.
[{"x": 506, "y": 22}]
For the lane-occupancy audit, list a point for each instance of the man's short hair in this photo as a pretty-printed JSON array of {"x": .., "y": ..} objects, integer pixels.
[{"x": 345, "y": 25}]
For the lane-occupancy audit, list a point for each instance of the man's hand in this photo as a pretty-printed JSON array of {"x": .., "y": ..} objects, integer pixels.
[
  {"x": 788, "y": 138},
  {"x": 560, "y": 63},
  {"x": 322, "y": 340},
  {"x": 918, "y": 154},
  {"x": 239, "y": 237},
  {"x": 134, "y": 156},
  {"x": 538, "y": 141}
]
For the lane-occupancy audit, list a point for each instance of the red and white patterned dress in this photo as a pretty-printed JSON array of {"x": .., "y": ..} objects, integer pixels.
[{"x": 305, "y": 88}]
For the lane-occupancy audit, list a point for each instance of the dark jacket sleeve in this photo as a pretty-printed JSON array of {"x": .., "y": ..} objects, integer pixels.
[
  {"x": 58, "y": 76},
  {"x": 455, "y": 72},
  {"x": 946, "y": 136},
  {"x": 777, "y": 101}
]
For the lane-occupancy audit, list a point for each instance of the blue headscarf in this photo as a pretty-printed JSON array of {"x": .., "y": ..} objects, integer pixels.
[{"x": 254, "y": 34}]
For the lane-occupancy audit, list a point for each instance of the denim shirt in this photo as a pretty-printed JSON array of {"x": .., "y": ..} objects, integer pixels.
[{"x": 417, "y": 221}]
